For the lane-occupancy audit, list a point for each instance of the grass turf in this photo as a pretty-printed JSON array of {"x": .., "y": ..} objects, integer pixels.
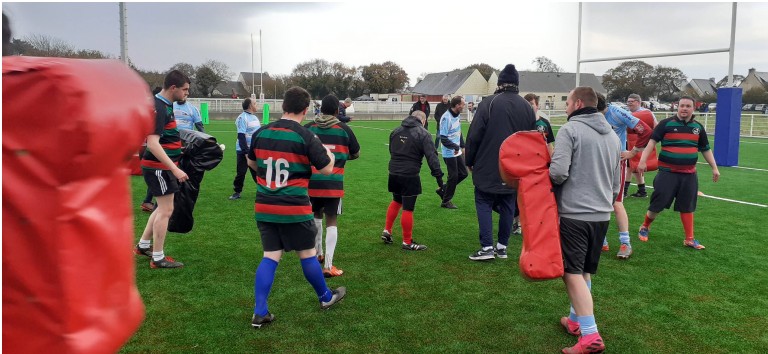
[{"x": 666, "y": 298}]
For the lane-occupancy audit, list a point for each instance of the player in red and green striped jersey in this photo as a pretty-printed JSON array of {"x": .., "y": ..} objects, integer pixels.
[
  {"x": 161, "y": 170},
  {"x": 682, "y": 138},
  {"x": 283, "y": 154},
  {"x": 325, "y": 192}
]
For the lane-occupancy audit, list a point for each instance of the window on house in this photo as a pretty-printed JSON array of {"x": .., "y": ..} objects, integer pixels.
[{"x": 565, "y": 98}]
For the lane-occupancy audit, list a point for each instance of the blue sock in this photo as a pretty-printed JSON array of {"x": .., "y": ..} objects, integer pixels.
[
  {"x": 572, "y": 315},
  {"x": 624, "y": 237},
  {"x": 314, "y": 275},
  {"x": 265, "y": 275},
  {"x": 587, "y": 325}
]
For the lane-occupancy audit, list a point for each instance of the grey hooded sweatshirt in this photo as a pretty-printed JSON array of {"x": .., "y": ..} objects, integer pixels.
[{"x": 586, "y": 166}]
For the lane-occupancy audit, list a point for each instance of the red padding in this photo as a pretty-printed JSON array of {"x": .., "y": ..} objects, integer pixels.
[
  {"x": 652, "y": 162},
  {"x": 69, "y": 129},
  {"x": 524, "y": 162}
]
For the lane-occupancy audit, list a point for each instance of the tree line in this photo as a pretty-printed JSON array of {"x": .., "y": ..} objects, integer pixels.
[{"x": 321, "y": 77}]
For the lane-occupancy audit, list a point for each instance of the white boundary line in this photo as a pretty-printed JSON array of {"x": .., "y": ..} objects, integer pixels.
[
  {"x": 701, "y": 194},
  {"x": 746, "y": 168}
]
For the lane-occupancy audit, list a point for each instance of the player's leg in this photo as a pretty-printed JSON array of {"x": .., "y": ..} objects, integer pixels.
[
  {"x": 406, "y": 223},
  {"x": 265, "y": 273},
  {"x": 664, "y": 192},
  {"x": 484, "y": 208},
  {"x": 685, "y": 204},
  {"x": 302, "y": 237},
  {"x": 237, "y": 184},
  {"x": 317, "y": 209},
  {"x": 332, "y": 209},
  {"x": 506, "y": 208},
  {"x": 453, "y": 178},
  {"x": 640, "y": 178},
  {"x": 396, "y": 188}
]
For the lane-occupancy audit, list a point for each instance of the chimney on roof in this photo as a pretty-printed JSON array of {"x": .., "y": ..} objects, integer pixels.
[{"x": 752, "y": 71}]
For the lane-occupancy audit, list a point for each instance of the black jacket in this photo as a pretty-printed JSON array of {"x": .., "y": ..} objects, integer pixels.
[
  {"x": 417, "y": 107},
  {"x": 440, "y": 110},
  {"x": 408, "y": 144},
  {"x": 343, "y": 114},
  {"x": 497, "y": 117}
]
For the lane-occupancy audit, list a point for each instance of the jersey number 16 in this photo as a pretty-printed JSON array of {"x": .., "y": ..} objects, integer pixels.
[{"x": 279, "y": 172}]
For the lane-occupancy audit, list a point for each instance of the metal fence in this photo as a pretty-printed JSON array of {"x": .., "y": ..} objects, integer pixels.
[{"x": 752, "y": 124}]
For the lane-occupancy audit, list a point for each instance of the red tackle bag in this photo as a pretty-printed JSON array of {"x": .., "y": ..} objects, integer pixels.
[
  {"x": 524, "y": 163},
  {"x": 70, "y": 128}
]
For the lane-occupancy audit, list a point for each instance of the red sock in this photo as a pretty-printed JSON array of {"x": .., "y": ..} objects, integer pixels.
[
  {"x": 647, "y": 222},
  {"x": 392, "y": 211},
  {"x": 687, "y": 219},
  {"x": 406, "y": 222}
]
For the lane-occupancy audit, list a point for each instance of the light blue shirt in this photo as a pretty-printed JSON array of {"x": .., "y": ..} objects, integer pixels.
[
  {"x": 450, "y": 127},
  {"x": 186, "y": 115},
  {"x": 247, "y": 124},
  {"x": 620, "y": 120}
]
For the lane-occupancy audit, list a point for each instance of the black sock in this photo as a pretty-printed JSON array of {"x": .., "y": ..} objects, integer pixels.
[
  {"x": 641, "y": 188},
  {"x": 626, "y": 187}
]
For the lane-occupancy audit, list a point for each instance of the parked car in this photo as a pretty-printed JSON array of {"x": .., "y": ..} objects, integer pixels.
[
  {"x": 662, "y": 106},
  {"x": 748, "y": 107},
  {"x": 620, "y": 104},
  {"x": 712, "y": 107},
  {"x": 759, "y": 107}
]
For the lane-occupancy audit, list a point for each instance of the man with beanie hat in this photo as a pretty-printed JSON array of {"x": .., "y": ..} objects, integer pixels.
[
  {"x": 498, "y": 116},
  {"x": 325, "y": 192}
]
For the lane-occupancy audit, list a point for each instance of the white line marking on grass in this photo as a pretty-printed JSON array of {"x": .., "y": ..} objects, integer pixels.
[
  {"x": 362, "y": 126},
  {"x": 701, "y": 194},
  {"x": 752, "y": 142},
  {"x": 746, "y": 168}
]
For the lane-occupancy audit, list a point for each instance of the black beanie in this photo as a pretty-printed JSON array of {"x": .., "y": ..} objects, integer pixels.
[
  {"x": 509, "y": 75},
  {"x": 330, "y": 105}
]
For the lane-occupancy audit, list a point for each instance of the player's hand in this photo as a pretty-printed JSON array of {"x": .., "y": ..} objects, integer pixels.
[
  {"x": 641, "y": 166},
  {"x": 180, "y": 175},
  {"x": 626, "y": 155},
  {"x": 456, "y": 152},
  {"x": 715, "y": 175}
]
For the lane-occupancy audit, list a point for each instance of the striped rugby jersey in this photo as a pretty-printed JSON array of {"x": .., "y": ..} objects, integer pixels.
[
  {"x": 342, "y": 143},
  {"x": 680, "y": 144},
  {"x": 285, "y": 153},
  {"x": 165, "y": 127}
]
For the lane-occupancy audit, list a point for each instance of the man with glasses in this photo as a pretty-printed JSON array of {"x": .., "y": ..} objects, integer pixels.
[{"x": 634, "y": 104}]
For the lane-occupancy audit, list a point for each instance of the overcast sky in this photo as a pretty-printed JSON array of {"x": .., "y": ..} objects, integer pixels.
[{"x": 422, "y": 37}]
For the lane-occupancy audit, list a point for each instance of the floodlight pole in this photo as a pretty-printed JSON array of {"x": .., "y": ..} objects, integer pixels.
[
  {"x": 578, "y": 51},
  {"x": 123, "y": 33}
]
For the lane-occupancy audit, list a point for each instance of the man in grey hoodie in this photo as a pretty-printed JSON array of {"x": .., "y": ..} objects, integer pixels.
[{"x": 585, "y": 168}]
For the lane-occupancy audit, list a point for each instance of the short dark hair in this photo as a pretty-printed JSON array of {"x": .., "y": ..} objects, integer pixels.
[
  {"x": 156, "y": 90},
  {"x": 456, "y": 100},
  {"x": 587, "y": 95},
  {"x": 532, "y": 97},
  {"x": 686, "y": 98},
  {"x": 246, "y": 104},
  {"x": 330, "y": 105},
  {"x": 601, "y": 105},
  {"x": 175, "y": 78},
  {"x": 295, "y": 100}
]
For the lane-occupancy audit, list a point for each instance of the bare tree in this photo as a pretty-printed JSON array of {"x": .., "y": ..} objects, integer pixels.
[
  {"x": 47, "y": 46},
  {"x": 545, "y": 64}
]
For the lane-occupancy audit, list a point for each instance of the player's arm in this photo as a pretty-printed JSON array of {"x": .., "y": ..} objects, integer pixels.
[
  {"x": 197, "y": 119},
  {"x": 562, "y": 156},
  {"x": 711, "y": 161},
  {"x": 354, "y": 145},
  {"x": 643, "y": 132},
  {"x": 153, "y": 144},
  {"x": 641, "y": 166}
]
